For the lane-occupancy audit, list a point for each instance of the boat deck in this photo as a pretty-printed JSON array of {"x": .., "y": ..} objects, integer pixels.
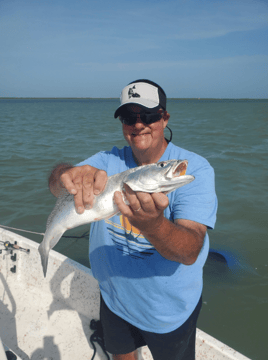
[{"x": 50, "y": 318}]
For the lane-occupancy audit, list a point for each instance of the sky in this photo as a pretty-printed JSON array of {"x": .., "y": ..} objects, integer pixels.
[{"x": 88, "y": 48}]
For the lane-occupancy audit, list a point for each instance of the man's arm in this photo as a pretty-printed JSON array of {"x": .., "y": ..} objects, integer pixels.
[
  {"x": 81, "y": 181},
  {"x": 180, "y": 241}
]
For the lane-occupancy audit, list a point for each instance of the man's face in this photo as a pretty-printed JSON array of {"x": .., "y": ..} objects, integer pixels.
[{"x": 142, "y": 137}]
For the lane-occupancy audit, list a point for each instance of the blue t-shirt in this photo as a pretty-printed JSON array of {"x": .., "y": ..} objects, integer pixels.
[{"x": 136, "y": 282}]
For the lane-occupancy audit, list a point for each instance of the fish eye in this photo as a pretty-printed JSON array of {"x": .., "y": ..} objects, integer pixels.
[{"x": 162, "y": 164}]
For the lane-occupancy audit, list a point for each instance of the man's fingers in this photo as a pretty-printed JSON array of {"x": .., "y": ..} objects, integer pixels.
[
  {"x": 100, "y": 180},
  {"x": 87, "y": 195},
  {"x": 146, "y": 201},
  {"x": 161, "y": 200},
  {"x": 66, "y": 181},
  {"x": 83, "y": 182},
  {"x": 78, "y": 197},
  {"x": 132, "y": 198},
  {"x": 124, "y": 209}
]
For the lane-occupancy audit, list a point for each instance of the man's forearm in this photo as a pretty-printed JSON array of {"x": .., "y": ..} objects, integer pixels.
[
  {"x": 54, "y": 178},
  {"x": 176, "y": 242}
]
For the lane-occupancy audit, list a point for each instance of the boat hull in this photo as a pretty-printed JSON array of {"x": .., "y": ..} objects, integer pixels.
[{"x": 50, "y": 318}]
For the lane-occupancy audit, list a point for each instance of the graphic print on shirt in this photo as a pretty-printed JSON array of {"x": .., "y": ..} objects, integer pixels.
[{"x": 127, "y": 238}]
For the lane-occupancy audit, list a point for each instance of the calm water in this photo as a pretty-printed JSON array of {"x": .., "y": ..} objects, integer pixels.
[{"x": 36, "y": 134}]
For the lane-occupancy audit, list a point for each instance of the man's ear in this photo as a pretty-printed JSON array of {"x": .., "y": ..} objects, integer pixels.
[{"x": 166, "y": 115}]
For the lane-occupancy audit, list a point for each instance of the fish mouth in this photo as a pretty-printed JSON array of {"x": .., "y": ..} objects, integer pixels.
[
  {"x": 176, "y": 177},
  {"x": 177, "y": 170},
  {"x": 180, "y": 169}
]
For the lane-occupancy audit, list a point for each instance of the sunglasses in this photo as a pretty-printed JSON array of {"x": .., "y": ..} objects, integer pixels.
[{"x": 131, "y": 119}]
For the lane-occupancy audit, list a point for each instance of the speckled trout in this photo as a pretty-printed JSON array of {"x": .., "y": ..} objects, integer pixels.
[{"x": 164, "y": 176}]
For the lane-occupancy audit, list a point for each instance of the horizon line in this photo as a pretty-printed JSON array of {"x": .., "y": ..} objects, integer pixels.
[{"x": 116, "y": 98}]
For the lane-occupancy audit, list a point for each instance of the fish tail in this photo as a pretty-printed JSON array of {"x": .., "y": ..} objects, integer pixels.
[
  {"x": 51, "y": 238},
  {"x": 44, "y": 258}
]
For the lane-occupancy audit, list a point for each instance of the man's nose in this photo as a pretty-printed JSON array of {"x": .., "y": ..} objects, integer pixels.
[{"x": 139, "y": 121}]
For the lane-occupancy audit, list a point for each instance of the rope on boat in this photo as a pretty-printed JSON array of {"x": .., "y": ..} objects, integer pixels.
[
  {"x": 32, "y": 232},
  {"x": 85, "y": 235}
]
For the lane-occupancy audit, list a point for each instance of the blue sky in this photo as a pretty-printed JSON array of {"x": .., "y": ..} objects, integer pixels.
[{"x": 88, "y": 48}]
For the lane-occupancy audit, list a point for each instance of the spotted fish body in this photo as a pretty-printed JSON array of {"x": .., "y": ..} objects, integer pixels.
[{"x": 165, "y": 176}]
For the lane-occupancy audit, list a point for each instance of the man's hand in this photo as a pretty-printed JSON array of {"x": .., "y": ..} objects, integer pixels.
[
  {"x": 180, "y": 241},
  {"x": 145, "y": 211},
  {"x": 81, "y": 181}
]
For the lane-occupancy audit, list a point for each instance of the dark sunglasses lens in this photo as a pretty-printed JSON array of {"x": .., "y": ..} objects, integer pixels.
[
  {"x": 150, "y": 118},
  {"x": 128, "y": 120},
  {"x": 145, "y": 118}
]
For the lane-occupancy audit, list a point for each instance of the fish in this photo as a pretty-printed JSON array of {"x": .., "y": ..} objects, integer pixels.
[{"x": 164, "y": 176}]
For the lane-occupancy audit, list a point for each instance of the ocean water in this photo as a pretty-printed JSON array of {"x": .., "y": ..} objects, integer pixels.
[{"x": 36, "y": 134}]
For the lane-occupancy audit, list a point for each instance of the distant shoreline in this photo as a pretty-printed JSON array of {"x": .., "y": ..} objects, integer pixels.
[{"x": 91, "y": 98}]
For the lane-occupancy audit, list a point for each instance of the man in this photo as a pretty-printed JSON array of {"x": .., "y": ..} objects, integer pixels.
[{"x": 148, "y": 260}]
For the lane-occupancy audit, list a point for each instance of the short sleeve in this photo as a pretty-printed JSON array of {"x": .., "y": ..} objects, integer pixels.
[
  {"x": 99, "y": 160},
  {"x": 197, "y": 201}
]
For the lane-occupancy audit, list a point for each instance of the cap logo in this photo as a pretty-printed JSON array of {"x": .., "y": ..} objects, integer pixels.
[{"x": 133, "y": 94}]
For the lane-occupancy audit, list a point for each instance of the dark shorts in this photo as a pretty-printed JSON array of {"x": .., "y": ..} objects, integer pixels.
[{"x": 120, "y": 337}]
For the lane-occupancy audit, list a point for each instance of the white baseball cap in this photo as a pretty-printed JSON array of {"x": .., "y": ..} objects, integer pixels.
[{"x": 145, "y": 93}]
